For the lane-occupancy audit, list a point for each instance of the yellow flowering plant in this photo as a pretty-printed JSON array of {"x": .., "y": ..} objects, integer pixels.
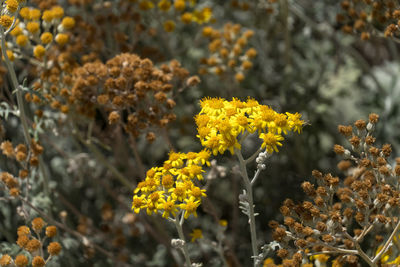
[{"x": 222, "y": 126}]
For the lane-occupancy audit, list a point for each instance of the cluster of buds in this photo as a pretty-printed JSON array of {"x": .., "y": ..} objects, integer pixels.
[
  {"x": 366, "y": 203},
  {"x": 30, "y": 239},
  {"x": 38, "y": 31},
  {"x": 261, "y": 159},
  {"x": 26, "y": 158},
  {"x": 369, "y": 17},
  {"x": 228, "y": 53}
]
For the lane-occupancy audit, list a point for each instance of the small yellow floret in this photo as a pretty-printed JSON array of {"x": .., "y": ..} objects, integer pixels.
[
  {"x": 16, "y": 31},
  {"x": 6, "y": 21},
  {"x": 12, "y": 5},
  {"x": 46, "y": 37},
  {"x": 47, "y": 15},
  {"x": 169, "y": 26},
  {"x": 179, "y": 5},
  {"x": 10, "y": 55},
  {"x": 22, "y": 40},
  {"x": 164, "y": 5},
  {"x": 146, "y": 5},
  {"x": 68, "y": 23},
  {"x": 58, "y": 12},
  {"x": 196, "y": 234},
  {"x": 39, "y": 51},
  {"x": 187, "y": 17},
  {"x": 32, "y": 27},
  {"x": 24, "y": 12},
  {"x": 62, "y": 38},
  {"x": 34, "y": 14},
  {"x": 202, "y": 16}
]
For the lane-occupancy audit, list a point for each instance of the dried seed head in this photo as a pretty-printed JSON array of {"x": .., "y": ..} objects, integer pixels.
[
  {"x": 273, "y": 224},
  {"x": 279, "y": 234},
  {"x": 38, "y": 262},
  {"x": 345, "y": 130},
  {"x": 54, "y": 248},
  {"x": 360, "y": 124},
  {"x": 373, "y": 118},
  {"x": 308, "y": 188},
  {"x": 38, "y": 224},
  {"x": 282, "y": 253},
  {"x": 33, "y": 245},
  {"x": 344, "y": 165},
  {"x": 21, "y": 260},
  {"x": 51, "y": 231}
]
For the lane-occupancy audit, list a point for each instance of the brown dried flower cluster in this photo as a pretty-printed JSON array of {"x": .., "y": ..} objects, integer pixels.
[
  {"x": 370, "y": 17},
  {"x": 341, "y": 216},
  {"x": 27, "y": 159},
  {"x": 228, "y": 51},
  {"x": 127, "y": 89},
  {"x": 33, "y": 245}
]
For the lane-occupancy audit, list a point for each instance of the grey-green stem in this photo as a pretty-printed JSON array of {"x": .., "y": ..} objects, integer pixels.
[
  {"x": 178, "y": 224},
  {"x": 252, "y": 219}
]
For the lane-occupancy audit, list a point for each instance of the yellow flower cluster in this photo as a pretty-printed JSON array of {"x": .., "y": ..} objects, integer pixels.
[
  {"x": 228, "y": 51},
  {"x": 171, "y": 189},
  {"x": 220, "y": 123},
  {"x": 7, "y": 15},
  {"x": 184, "y": 10},
  {"x": 35, "y": 31}
]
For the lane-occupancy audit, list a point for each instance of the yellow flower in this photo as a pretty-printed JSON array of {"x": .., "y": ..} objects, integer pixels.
[
  {"x": 34, "y": 14},
  {"x": 268, "y": 262},
  {"x": 24, "y": 12},
  {"x": 32, "y": 27},
  {"x": 146, "y": 5},
  {"x": 179, "y": 5},
  {"x": 16, "y": 31},
  {"x": 202, "y": 16},
  {"x": 46, "y": 37},
  {"x": 197, "y": 192},
  {"x": 271, "y": 141},
  {"x": 10, "y": 55},
  {"x": 295, "y": 123},
  {"x": 164, "y": 5},
  {"x": 190, "y": 207},
  {"x": 176, "y": 159},
  {"x": 58, "y": 12},
  {"x": 186, "y": 17},
  {"x": 6, "y": 21},
  {"x": 169, "y": 26},
  {"x": 39, "y": 51},
  {"x": 138, "y": 203},
  {"x": 196, "y": 234},
  {"x": 47, "y": 16},
  {"x": 22, "y": 40},
  {"x": 68, "y": 23},
  {"x": 202, "y": 157},
  {"x": 179, "y": 192},
  {"x": 12, "y": 5},
  {"x": 62, "y": 38},
  {"x": 168, "y": 207},
  {"x": 223, "y": 223}
]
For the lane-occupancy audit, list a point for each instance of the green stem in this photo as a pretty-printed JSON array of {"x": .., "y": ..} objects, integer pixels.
[
  {"x": 178, "y": 225},
  {"x": 252, "y": 219}
]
